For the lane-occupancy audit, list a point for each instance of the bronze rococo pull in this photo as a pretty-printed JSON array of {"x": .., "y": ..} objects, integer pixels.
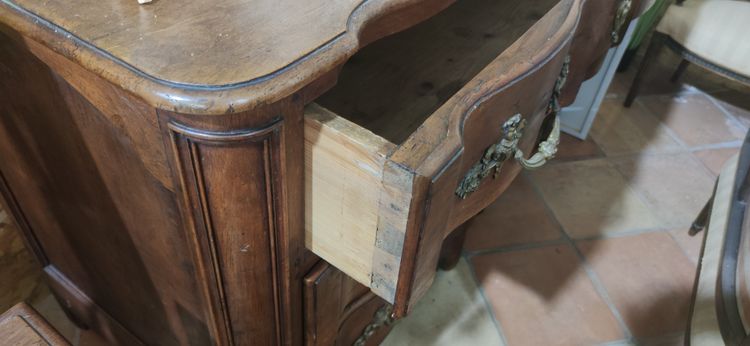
[
  {"x": 383, "y": 318},
  {"x": 496, "y": 155},
  {"x": 546, "y": 152}
]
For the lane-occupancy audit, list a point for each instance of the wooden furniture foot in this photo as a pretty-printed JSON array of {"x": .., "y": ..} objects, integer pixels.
[{"x": 450, "y": 253}]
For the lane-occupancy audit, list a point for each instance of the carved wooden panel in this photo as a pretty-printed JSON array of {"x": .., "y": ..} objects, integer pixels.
[
  {"x": 339, "y": 310},
  {"x": 232, "y": 195}
]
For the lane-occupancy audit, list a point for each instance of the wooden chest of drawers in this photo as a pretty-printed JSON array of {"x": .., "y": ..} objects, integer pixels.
[{"x": 272, "y": 172}]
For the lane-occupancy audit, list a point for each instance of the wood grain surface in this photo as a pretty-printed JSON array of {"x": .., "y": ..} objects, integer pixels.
[
  {"x": 392, "y": 86},
  {"x": 441, "y": 101},
  {"x": 343, "y": 175},
  {"x": 156, "y": 156},
  {"x": 21, "y": 325},
  {"x": 440, "y": 152},
  {"x": 212, "y": 57}
]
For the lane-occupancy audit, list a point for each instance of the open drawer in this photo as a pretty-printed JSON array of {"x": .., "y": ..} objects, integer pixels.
[{"x": 426, "y": 128}]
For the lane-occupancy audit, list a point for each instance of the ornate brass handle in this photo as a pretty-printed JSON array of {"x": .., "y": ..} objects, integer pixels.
[
  {"x": 547, "y": 149},
  {"x": 496, "y": 155},
  {"x": 623, "y": 10},
  {"x": 383, "y": 318}
]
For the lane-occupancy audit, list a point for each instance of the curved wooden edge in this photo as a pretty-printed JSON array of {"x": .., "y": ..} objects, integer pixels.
[
  {"x": 438, "y": 145},
  {"x": 592, "y": 41},
  {"x": 590, "y": 46},
  {"x": 439, "y": 141},
  {"x": 732, "y": 209},
  {"x": 371, "y": 20}
]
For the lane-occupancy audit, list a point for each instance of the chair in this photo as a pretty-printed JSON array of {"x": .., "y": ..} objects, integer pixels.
[
  {"x": 712, "y": 34},
  {"x": 720, "y": 310}
]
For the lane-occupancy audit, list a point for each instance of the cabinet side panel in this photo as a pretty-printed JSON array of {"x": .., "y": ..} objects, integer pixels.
[{"x": 101, "y": 217}]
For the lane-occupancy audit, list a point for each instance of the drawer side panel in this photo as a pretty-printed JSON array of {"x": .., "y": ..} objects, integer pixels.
[{"x": 343, "y": 179}]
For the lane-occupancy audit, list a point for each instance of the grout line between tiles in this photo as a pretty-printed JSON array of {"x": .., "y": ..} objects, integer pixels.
[
  {"x": 621, "y": 342},
  {"x": 720, "y": 145},
  {"x": 596, "y": 282},
  {"x": 682, "y": 247},
  {"x": 690, "y": 152},
  {"x": 685, "y": 89},
  {"x": 726, "y": 113},
  {"x": 637, "y": 194},
  {"x": 609, "y": 157},
  {"x": 666, "y": 128},
  {"x": 598, "y": 287},
  {"x": 693, "y": 149},
  {"x": 601, "y": 290},
  {"x": 663, "y": 225},
  {"x": 659, "y": 152},
  {"x": 706, "y": 170},
  {"x": 517, "y": 247},
  {"x": 671, "y": 133},
  {"x": 562, "y": 241},
  {"x": 486, "y": 301},
  {"x": 728, "y": 144},
  {"x": 622, "y": 234},
  {"x": 566, "y": 239}
]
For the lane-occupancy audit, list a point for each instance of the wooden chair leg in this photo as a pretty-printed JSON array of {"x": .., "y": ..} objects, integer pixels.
[
  {"x": 679, "y": 71},
  {"x": 452, "y": 246},
  {"x": 657, "y": 41},
  {"x": 701, "y": 221}
]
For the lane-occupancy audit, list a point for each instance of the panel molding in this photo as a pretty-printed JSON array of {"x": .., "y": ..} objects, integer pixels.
[
  {"x": 214, "y": 270},
  {"x": 16, "y": 213},
  {"x": 85, "y": 312}
]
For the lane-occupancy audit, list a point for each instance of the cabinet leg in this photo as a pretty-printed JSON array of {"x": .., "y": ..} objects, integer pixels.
[
  {"x": 450, "y": 253},
  {"x": 657, "y": 41},
  {"x": 679, "y": 71}
]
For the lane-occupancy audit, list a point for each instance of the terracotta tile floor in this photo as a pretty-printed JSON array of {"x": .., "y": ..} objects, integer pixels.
[
  {"x": 593, "y": 248},
  {"x": 589, "y": 250}
]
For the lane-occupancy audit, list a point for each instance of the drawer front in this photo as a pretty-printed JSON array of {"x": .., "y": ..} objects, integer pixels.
[
  {"x": 602, "y": 26},
  {"x": 379, "y": 211},
  {"x": 446, "y": 151},
  {"x": 340, "y": 311}
]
